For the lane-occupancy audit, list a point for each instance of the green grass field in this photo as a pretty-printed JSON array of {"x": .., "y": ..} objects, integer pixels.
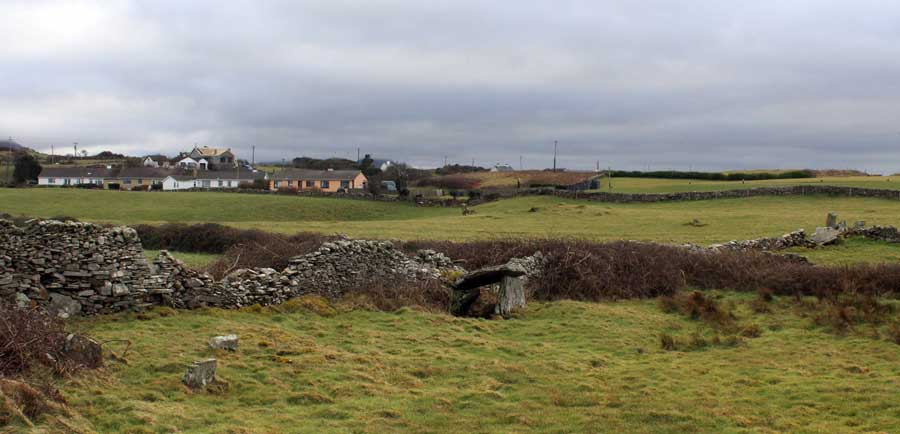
[
  {"x": 731, "y": 219},
  {"x": 559, "y": 367},
  {"x": 654, "y": 185}
]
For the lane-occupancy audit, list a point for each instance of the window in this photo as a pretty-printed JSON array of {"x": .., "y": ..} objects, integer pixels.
[
  {"x": 51, "y": 181},
  {"x": 140, "y": 181},
  {"x": 219, "y": 183},
  {"x": 310, "y": 184},
  {"x": 345, "y": 184},
  {"x": 324, "y": 184},
  {"x": 290, "y": 183},
  {"x": 277, "y": 184},
  {"x": 126, "y": 181}
]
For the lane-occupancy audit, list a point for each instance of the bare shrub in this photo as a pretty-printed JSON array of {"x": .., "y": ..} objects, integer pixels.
[
  {"x": 584, "y": 270},
  {"x": 697, "y": 306},
  {"x": 266, "y": 250},
  {"x": 396, "y": 293},
  {"x": 894, "y": 333},
  {"x": 667, "y": 342},
  {"x": 452, "y": 182},
  {"x": 203, "y": 238},
  {"x": 30, "y": 338}
]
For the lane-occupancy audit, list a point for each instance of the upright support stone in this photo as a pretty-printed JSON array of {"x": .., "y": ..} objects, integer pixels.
[
  {"x": 831, "y": 220},
  {"x": 512, "y": 295},
  {"x": 465, "y": 289}
]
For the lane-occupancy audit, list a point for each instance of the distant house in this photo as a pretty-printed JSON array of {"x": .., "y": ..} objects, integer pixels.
[
  {"x": 216, "y": 158},
  {"x": 67, "y": 176},
  {"x": 389, "y": 186},
  {"x": 318, "y": 180},
  {"x": 189, "y": 163},
  {"x": 379, "y": 163},
  {"x": 502, "y": 168},
  {"x": 157, "y": 161},
  {"x": 131, "y": 178},
  {"x": 212, "y": 179}
]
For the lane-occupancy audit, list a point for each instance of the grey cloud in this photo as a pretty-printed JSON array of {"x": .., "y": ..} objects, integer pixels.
[{"x": 705, "y": 84}]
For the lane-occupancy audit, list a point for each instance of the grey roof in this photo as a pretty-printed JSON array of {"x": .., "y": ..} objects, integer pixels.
[
  {"x": 230, "y": 174},
  {"x": 317, "y": 175},
  {"x": 147, "y": 172},
  {"x": 76, "y": 172}
]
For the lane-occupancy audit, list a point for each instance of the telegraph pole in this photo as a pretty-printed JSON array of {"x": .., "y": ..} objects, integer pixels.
[
  {"x": 555, "y": 145},
  {"x": 609, "y": 171},
  {"x": 520, "y": 162},
  {"x": 8, "y": 160},
  {"x": 253, "y": 156}
]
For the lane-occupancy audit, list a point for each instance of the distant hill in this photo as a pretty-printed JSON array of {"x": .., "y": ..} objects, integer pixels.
[{"x": 5, "y": 146}]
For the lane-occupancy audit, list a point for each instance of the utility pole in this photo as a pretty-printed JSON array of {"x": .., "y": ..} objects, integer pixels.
[
  {"x": 555, "y": 145},
  {"x": 52, "y": 154},
  {"x": 75, "y": 146},
  {"x": 520, "y": 162},
  {"x": 473, "y": 162},
  {"x": 253, "y": 156},
  {"x": 609, "y": 171},
  {"x": 8, "y": 160},
  {"x": 357, "y": 155},
  {"x": 445, "y": 161}
]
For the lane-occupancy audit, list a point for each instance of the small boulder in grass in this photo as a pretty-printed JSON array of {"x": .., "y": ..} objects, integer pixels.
[
  {"x": 227, "y": 342},
  {"x": 200, "y": 374}
]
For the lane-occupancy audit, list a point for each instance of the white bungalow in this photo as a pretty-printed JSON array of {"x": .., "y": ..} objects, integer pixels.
[{"x": 212, "y": 179}]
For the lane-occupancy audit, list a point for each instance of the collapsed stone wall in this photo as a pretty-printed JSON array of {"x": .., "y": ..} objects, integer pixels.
[
  {"x": 791, "y": 239},
  {"x": 73, "y": 267},
  {"x": 329, "y": 271}
]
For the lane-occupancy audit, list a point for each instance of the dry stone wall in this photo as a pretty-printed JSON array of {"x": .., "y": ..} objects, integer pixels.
[
  {"x": 82, "y": 268},
  {"x": 73, "y": 267},
  {"x": 798, "y": 190}
]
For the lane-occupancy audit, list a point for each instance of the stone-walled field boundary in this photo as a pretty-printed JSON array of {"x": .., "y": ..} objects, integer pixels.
[
  {"x": 797, "y": 190},
  {"x": 74, "y": 268}
]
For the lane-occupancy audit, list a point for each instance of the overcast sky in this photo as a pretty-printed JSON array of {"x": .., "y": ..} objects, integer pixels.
[{"x": 708, "y": 84}]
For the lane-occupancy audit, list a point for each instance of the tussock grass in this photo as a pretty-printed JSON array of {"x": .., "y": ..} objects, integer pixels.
[{"x": 559, "y": 367}]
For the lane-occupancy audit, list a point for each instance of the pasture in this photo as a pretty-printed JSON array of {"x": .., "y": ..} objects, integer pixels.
[
  {"x": 524, "y": 217},
  {"x": 559, "y": 367},
  {"x": 654, "y": 185}
]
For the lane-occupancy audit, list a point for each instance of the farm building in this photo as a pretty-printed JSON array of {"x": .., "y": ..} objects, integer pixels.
[{"x": 318, "y": 180}]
